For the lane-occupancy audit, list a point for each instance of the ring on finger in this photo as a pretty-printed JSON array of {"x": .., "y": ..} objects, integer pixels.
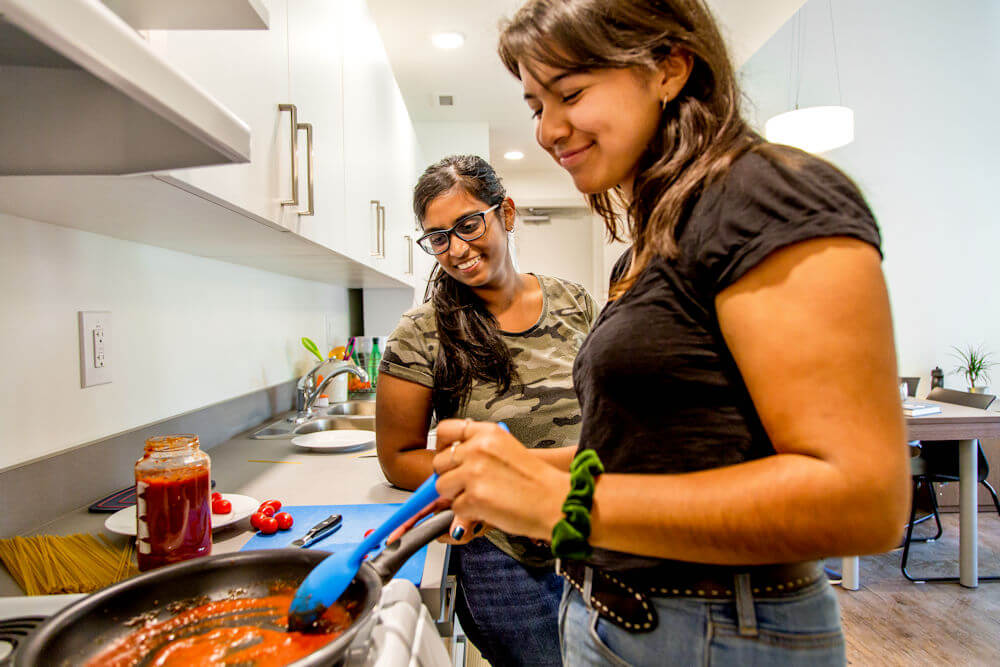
[{"x": 454, "y": 447}]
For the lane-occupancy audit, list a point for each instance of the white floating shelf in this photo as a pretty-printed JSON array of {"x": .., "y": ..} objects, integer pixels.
[
  {"x": 82, "y": 93},
  {"x": 161, "y": 211},
  {"x": 192, "y": 14}
]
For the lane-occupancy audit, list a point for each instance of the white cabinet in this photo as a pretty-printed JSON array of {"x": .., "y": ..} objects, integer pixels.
[
  {"x": 246, "y": 70},
  {"x": 398, "y": 176},
  {"x": 381, "y": 155},
  {"x": 82, "y": 93},
  {"x": 315, "y": 65},
  {"x": 325, "y": 59},
  {"x": 365, "y": 67}
]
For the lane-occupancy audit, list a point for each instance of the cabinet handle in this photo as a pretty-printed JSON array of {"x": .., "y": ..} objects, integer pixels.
[
  {"x": 381, "y": 211},
  {"x": 310, "y": 210},
  {"x": 409, "y": 254},
  {"x": 294, "y": 201},
  {"x": 378, "y": 228}
]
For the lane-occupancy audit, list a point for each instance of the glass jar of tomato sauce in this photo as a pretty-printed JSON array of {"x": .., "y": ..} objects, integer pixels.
[{"x": 173, "y": 509}]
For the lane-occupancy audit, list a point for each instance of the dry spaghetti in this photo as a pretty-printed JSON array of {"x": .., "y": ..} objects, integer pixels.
[{"x": 49, "y": 564}]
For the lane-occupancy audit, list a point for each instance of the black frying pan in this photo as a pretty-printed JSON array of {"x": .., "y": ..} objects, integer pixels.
[{"x": 89, "y": 626}]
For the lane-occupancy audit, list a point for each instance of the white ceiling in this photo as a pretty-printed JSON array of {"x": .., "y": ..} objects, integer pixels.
[{"x": 483, "y": 90}]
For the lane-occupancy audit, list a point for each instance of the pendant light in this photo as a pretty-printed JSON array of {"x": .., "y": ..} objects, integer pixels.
[{"x": 813, "y": 129}]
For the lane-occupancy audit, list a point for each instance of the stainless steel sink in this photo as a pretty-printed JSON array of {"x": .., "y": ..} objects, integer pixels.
[
  {"x": 336, "y": 424},
  {"x": 348, "y": 415},
  {"x": 366, "y": 408}
]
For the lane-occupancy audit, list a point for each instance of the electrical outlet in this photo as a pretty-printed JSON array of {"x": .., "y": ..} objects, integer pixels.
[{"x": 95, "y": 347}]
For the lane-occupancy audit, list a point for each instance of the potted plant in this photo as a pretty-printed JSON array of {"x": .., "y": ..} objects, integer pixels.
[{"x": 974, "y": 365}]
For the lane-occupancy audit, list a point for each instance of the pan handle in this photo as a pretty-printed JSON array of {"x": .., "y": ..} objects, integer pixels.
[{"x": 394, "y": 556}]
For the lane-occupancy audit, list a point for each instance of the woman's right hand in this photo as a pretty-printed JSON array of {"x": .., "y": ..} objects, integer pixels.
[{"x": 491, "y": 478}]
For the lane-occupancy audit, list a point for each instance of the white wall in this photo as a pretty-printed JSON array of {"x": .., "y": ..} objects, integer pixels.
[
  {"x": 186, "y": 332},
  {"x": 922, "y": 78},
  {"x": 562, "y": 247},
  {"x": 383, "y": 307},
  {"x": 542, "y": 188},
  {"x": 439, "y": 140}
]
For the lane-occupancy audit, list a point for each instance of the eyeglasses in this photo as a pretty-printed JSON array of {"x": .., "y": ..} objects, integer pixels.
[{"x": 469, "y": 228}]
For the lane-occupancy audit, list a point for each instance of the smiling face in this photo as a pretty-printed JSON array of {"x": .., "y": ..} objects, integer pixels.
[
  {"x": 478, "y": 263},
  {"x": 597, "y": 124}
]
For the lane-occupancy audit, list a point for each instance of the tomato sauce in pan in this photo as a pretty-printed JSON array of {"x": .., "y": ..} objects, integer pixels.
[{"x": 245, "y": 631}]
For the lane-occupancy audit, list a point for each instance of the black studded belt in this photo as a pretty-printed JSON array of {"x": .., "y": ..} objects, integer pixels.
[{"x": 622, "y": 597}]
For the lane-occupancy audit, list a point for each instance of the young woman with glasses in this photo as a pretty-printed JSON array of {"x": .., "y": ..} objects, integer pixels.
[
  {"x": 739, "y": 396},
  {"x": 490, "y": 344}
]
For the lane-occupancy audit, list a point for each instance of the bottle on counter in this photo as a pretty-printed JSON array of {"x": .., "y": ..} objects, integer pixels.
[
  {"x": 173, "y": 501},
  {"x": 373, "y": 363}
]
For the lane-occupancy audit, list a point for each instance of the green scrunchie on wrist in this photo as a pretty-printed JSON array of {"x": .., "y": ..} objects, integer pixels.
[{"x": 570, "y": 535}]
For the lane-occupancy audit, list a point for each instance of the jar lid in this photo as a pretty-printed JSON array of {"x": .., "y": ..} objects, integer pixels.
[{"x": 163, "y": 443}]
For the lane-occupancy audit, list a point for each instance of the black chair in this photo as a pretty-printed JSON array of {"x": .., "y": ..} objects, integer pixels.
[{"x": 937, "y": 462}]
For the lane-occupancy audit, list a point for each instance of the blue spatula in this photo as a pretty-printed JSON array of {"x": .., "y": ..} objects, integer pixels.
[{"x": 328, "y": 580}]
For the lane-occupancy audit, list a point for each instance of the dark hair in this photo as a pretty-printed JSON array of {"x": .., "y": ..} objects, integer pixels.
[
  {"x": 469, "y": 342},
  {"x": 701, "y": 132}
]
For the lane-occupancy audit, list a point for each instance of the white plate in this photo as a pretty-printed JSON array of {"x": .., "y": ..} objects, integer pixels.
[
  {"x": 123, "y": 521},
  {"x": 345, "y": 440}
]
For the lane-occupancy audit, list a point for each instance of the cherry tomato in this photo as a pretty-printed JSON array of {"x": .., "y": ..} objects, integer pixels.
[
  {"x": 276, "y": 504},
  {"x": 216, "y": 496},
  {"x": 266, "y": 510},
  {"x": 284, "y": 520},
  {"x": 268, "y": 525},
  {"x": 221, "y": 506},
  {"x": 255, "y": 519}
]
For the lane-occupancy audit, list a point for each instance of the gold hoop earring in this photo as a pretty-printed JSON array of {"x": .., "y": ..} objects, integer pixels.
[{"x": 663, "y": 102}]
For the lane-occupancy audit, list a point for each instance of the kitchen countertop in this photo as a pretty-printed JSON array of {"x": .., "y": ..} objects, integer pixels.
[{"x": 266, "y": 469}]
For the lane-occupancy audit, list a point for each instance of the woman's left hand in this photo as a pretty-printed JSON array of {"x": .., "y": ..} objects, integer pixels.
[
  {"x": 478, "y": 529},
  {"x": 492, "y": 478}
]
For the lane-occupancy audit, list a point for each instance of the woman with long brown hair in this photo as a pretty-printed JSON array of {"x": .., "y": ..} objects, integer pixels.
[
  {"x": 489, "y": 343},
  {"x": 741, "y": 416}
]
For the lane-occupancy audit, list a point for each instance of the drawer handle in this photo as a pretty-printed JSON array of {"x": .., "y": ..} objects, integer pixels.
[
  {"x": 294, "y": 201},
  {"x": 310, "y": 210},
  {"x": 379, "y": 251}
]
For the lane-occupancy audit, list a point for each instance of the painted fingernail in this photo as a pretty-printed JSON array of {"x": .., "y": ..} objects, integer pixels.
[
  {"x": 476, "y": 527},
  {"x": 457, "y": 532}
]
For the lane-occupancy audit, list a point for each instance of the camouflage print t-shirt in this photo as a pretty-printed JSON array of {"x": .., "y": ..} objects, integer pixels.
[{"x": 541, "y": 410}]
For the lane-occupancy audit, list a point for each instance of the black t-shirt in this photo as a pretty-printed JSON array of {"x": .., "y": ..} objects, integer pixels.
[{"x": 658, "y": 388}]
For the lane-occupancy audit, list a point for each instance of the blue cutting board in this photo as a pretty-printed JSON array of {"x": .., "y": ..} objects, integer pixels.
[{"x": 357, "y": 519}]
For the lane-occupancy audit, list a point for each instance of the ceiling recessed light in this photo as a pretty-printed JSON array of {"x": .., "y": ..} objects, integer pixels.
[
  {"x": 447, "y": 40},
  {"x": 513, "y": 155}
]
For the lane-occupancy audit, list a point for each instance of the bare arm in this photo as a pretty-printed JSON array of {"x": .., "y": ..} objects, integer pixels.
[
  {"x": 557, "y": 457},
  {"x": 811, "y": 333},
  {"x": 402, "y": 416}
]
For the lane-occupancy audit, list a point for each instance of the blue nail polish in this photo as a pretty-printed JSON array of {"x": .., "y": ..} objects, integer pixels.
[{"x": 457, "y": 532}]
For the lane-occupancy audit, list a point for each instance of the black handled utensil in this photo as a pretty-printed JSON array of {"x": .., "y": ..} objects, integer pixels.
[{"x": 326, "y": 527}]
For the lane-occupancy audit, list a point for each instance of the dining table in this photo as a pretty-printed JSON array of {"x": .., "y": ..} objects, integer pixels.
[{"x": 968, "y": 426}]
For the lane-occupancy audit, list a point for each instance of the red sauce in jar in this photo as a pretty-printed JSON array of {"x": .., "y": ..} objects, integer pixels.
[
  {"x": 246, "y": 631},
  {"x": 174, "y": 516}
]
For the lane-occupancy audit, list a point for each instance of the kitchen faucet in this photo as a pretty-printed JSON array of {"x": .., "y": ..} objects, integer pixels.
[{"x": 305, "y": 395}]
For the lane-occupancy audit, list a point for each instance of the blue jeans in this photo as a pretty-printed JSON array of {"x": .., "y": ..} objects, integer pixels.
[
  {"x": 801, "y": 629},
  {"x": 509, "y": 611}
]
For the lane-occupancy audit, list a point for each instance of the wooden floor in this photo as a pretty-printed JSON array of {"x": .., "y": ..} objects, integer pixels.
[{"x": 891, "y": 621}]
